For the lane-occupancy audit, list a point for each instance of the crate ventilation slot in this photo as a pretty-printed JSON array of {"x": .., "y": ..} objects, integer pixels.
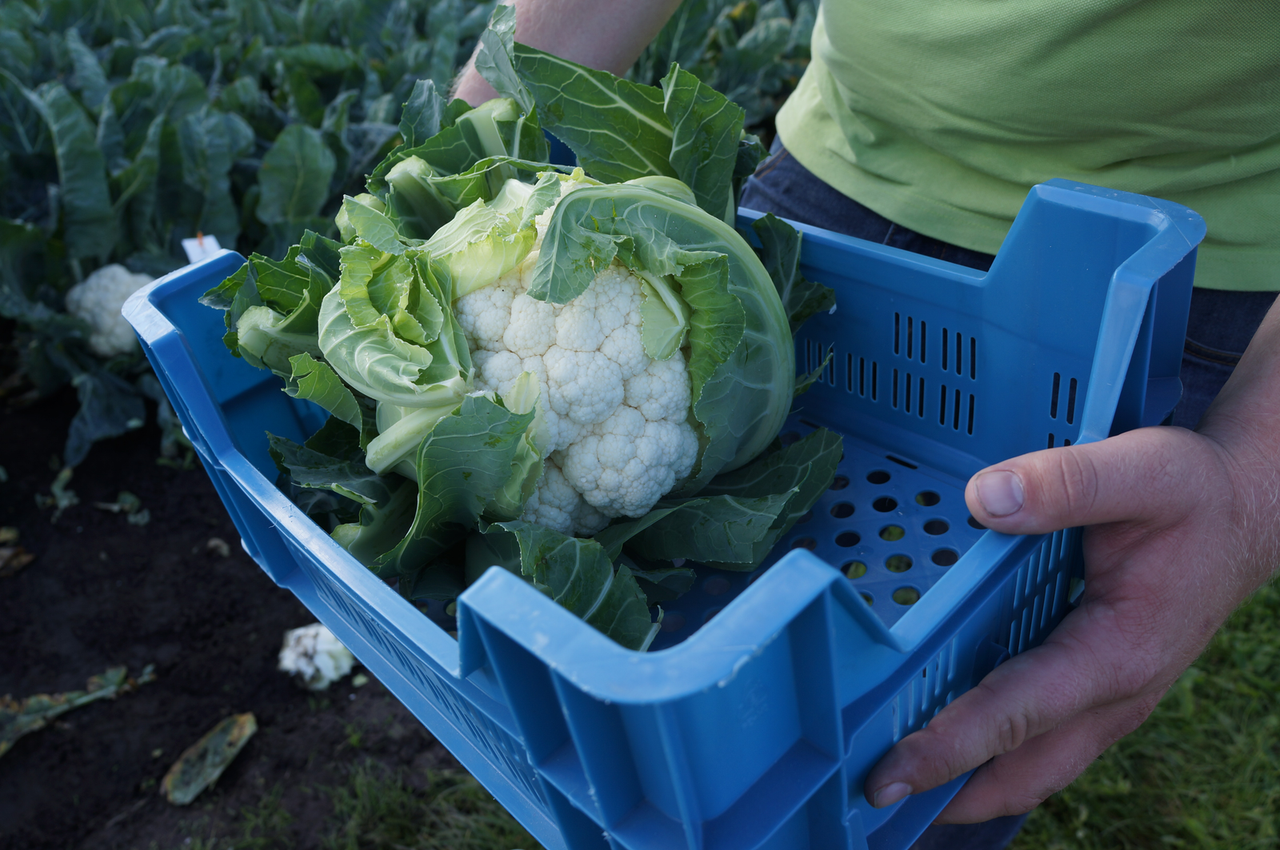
[
  {"x": 1062, "y": 403},
  {"x": 908, "y": 390},
  {"x": 959, "y": 354},
  {"x": 923, "y": 697},
  {"x": 862, "y": 376}
]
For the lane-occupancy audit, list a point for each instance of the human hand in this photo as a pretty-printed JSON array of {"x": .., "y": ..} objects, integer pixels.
[{"x": 1182, "y": 527}]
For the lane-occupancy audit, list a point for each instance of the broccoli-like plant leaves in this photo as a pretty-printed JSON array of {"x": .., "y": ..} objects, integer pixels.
[
  {"x": 315, "y": 381},
  {"x": 737, "y": 518},
  {"x": 579, "y": 575},
  {"x": 803, "y": 469},
  {"x": 706, "y": 127},
  {"x": 621, "y": 130},
  {"x": 780, "y": 253},
  {"x": 462, "y": 464},
  {"x": 423, "y": 115},
  {"x": 617, "y": 129},
  {"x": 494, "y": 60},
  {"x": 344, "y": 474}
]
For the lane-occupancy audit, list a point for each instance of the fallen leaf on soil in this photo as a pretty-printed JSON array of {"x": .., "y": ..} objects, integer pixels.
[
  {"x": 35, "y": 712},
  {"x": 12, "y": 559},
  {"x": 203, "y": 762}
]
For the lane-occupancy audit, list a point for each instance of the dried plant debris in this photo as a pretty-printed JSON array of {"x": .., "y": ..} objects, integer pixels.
[
  {"x": 61, "y": 496},
  {"x": 12, "y": 559},
  {"x": 206, "y": 759},
  {"x": 12, "y": 556},
  {"x": 128, "y": 504},
  {"x": 35, "y": 712}
]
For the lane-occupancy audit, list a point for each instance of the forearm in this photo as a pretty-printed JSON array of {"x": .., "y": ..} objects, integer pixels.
[
  {"x": 1244, "y": 420},
  {"x": 604, "y": 34}
]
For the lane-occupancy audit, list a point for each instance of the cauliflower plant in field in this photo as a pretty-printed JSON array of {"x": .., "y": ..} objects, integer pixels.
[{"x": 98, "y": 300}]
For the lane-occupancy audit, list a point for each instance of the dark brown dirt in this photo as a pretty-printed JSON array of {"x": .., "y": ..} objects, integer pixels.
[{"x": 102, "y": 592}]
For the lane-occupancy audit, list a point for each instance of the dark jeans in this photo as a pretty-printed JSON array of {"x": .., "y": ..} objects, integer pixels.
[{"x": 1220, "y": 326}]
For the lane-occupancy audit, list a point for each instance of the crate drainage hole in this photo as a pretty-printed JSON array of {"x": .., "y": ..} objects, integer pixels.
[
  {"x": 866, "y": 597},
  {"x": 936, "y": 526},
  {"x": 892, "y": 533},
  {"x": 906, "y": 596},
  {"x": 842, "y": 510},
  {"x": 973, "y": 523},
  {"x": 848, "y": 538},
  {"x": 706, "y": 618},
  {"x": 878, "y": 477},
  {"x": 804, "y": 543},
  {"x": 840, "y": 482},
  {"x": 897, "y": 563},
  {"x": 928, "y": 498},
  {"x": 855, "y": 569},
  {"x": 884, "y": 504},
  {"x": 945, "y": 557}
]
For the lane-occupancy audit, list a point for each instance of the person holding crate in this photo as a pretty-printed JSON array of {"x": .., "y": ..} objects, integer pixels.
[{"x": 923, "y": 126}]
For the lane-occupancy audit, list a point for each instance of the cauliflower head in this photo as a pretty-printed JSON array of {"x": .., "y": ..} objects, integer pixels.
[
  {"x": 613, "y": 423},
  {"x": 98, "y": 300}
]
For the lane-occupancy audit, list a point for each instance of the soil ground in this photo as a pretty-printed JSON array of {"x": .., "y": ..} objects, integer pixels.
[{"x": 101, "y": 593}]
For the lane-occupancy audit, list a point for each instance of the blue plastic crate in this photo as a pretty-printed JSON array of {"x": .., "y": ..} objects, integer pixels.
[{"x": 756, "y": 729}]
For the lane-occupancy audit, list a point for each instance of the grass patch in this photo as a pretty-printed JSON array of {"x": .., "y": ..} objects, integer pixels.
[
  {"x": 378, "y": 809},
  {"x": 265, "y": 825},
  {"x": 1203, "y": 771}
]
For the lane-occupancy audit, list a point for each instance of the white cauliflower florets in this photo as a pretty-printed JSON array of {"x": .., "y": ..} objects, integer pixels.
[
  {"x": 315, "y": 656},
  {"x": 555, "y": 504},
  {"x": 619, "y": 439},
  {"x": 98, "y": 300}
]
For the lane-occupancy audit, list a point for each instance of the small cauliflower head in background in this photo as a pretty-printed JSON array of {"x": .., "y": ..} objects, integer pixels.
[
  {"x": 613, "y": 421},
  {"x": 315, "y": 657},
  {"x": 98, "y": 300}
]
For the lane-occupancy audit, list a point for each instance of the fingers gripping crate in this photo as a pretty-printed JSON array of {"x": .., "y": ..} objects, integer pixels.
[{"x": 768, "y": 696}]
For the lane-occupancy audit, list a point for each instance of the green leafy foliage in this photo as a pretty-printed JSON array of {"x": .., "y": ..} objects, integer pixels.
[
  {"x": 752, "y": 52},
  {"x": 128, "y": 127}
]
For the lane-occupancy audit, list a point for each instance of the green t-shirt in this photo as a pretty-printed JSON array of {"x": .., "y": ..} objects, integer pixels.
[{"x": 941, "y": 114}]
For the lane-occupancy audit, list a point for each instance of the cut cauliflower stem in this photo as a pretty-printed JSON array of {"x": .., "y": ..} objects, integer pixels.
[
  {"x": 98, "y": 300},
  {"x": 615, "y": 433}
]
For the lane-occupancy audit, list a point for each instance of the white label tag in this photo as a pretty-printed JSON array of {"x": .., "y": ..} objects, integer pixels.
[{"x": 200, "y": 247}]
